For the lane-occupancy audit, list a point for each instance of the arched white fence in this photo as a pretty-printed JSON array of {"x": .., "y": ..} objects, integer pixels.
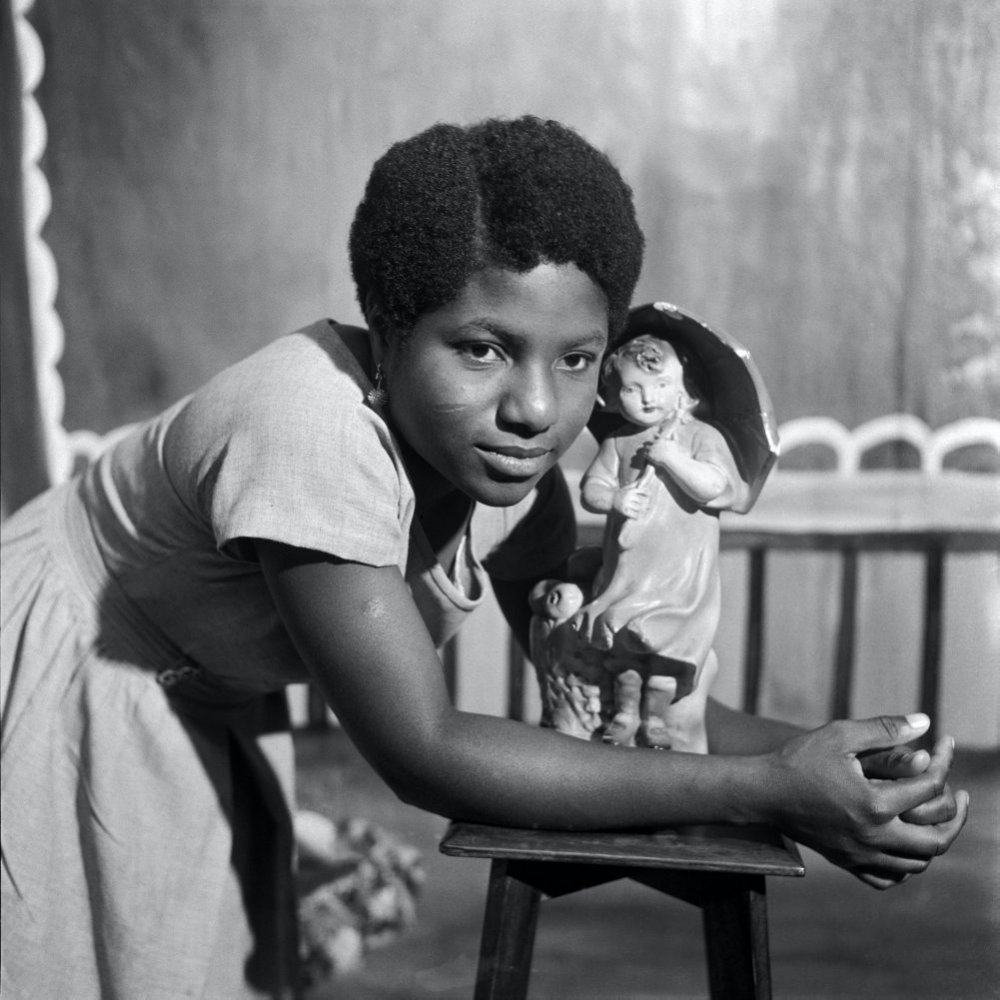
[{"x": 850, "y": 446}]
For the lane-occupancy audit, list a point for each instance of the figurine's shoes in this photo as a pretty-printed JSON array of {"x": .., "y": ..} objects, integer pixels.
[
  {"x": 621, "y": 730},
  {"x": 658, "y": 739}
]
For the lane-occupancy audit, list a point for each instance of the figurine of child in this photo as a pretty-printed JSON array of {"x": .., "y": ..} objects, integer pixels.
[{"x": 661, "y": 480}]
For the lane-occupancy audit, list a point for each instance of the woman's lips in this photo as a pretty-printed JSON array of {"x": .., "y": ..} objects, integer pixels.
[{"x": 513, "y": 460}]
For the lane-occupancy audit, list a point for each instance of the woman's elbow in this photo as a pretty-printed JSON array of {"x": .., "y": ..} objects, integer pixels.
[{"x": 413, "y": 770}]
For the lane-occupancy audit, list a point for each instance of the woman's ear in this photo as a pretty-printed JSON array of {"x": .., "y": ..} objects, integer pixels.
[{"x": 378, "y": 333}]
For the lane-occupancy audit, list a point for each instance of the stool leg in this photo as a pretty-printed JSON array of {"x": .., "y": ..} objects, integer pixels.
[
  {"x": 508, "y": 935},
  {"x": 736, "y": 944}
]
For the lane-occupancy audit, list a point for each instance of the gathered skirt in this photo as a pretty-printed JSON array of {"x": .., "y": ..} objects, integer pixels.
[{"x": 146, "y": 839}]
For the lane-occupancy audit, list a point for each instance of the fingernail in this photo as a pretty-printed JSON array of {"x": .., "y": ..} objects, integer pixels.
[{"x": 917, "y": 720}]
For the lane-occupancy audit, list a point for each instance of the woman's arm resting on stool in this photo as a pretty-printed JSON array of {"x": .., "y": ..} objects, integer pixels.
[{"x": 361, "y": 635}]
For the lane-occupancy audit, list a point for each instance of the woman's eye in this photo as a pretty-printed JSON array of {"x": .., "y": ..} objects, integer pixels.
[
  {"x": 578, "y": 362},
  {"x": 480, "y": 353}
]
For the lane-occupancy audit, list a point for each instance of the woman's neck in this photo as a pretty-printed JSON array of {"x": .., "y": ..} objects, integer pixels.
[
  {"x": 444, "y": 523},
  {"x": 442, "y": 510}
]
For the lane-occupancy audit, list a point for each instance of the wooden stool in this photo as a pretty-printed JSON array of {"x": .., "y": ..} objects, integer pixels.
[{"x": 718, "y": 868}]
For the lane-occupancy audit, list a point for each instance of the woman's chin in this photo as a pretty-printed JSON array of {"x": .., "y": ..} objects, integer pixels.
[{"x": 501, "y": 492}]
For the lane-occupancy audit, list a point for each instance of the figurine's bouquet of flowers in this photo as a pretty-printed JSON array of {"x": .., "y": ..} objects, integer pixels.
[{"x": 365, "y": 896}]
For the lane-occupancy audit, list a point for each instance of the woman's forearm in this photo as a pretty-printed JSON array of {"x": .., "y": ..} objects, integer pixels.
[
  {"x": 812, "y": 788},
  {"x": 497, "y": 771},
  {"x": 357, "y": 629}
]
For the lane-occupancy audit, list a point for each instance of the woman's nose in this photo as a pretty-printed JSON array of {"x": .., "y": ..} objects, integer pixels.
[{"x": 529, "y": 402}]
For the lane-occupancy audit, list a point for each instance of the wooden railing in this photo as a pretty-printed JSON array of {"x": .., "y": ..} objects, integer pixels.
[{"x": 870, "y": 513}]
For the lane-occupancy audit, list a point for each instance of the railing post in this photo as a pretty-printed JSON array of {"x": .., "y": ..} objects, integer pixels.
[
  {"x": 843, "y": 669},
  {"x": 930, "y": 663},
  {"x": 754, "y": 660},
  {"x": 515, "y": 680}
]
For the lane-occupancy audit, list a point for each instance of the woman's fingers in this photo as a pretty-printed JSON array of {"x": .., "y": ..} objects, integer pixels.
[
  {"x": 937, "y": 810},
  {"x": 893, "y": 773},
  {"x": 893, "y": 798},
  {"x": 881, "y": 732},
  {"x": 880, "y": 882},
  {"x": 903, "y": 849},
  {"x": 877, "y": 868},
  {"x": 897, "y": 762},
  {"x": 942, "y": 807},
  {"x": 879, "y": 809},
  {"x": 903, "y": 762},
  {"x": 922, "y": 842}
]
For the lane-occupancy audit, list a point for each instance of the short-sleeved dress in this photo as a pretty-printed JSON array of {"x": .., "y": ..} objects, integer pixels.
[{"x": 146, "y": 838}]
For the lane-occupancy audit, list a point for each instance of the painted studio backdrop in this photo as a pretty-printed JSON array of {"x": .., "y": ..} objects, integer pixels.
[{"x": 819, "y": 178}]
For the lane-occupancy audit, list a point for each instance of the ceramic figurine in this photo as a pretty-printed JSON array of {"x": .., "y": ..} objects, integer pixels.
[
  {"x": 569, "y": 674},
  {"x": 636, "y": 636}
]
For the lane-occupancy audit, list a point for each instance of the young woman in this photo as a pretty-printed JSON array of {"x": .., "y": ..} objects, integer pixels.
[{"x": 331, "y": 509}]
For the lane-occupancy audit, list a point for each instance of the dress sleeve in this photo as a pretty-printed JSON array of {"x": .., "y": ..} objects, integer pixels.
[
  {"x": 283, "y": 447},
  {"x": 537, "y": 534},
  {"x": 708, "y": 445}
]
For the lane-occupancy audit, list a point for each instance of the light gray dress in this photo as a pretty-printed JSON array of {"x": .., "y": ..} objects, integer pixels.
[{"x": 146, "y": 838}]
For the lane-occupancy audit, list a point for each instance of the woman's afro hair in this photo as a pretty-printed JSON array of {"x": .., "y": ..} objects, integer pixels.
[{"x": 510, "y": 193}]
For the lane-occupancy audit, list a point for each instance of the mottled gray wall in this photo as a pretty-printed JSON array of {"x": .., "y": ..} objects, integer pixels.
[{"x": 820, "y": 178}]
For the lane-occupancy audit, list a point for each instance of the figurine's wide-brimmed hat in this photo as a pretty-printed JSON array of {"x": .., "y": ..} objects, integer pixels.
[{"x": 737, "y": 401}]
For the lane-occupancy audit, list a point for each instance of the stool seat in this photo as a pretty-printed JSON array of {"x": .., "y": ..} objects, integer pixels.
[
  {"x": 754, "y": 850},
  {"x": 721, "y": 869}
]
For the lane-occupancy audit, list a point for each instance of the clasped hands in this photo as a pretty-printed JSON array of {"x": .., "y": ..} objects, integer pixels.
[{"x": 854, "y": 792}]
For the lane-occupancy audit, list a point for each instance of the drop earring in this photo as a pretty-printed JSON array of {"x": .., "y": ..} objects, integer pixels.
[{"x": 378, "y": 396}]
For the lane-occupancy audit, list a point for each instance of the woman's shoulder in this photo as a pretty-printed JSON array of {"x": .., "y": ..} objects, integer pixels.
[
  {"x": 287, "y": 434},
  {"x": 321, "y": 354},
  {"x": 311, "y": 377},
  {"x": 297, "y": 403}
]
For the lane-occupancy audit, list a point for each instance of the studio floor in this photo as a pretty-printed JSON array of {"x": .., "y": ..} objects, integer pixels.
[{"x": 831, "y": 937}]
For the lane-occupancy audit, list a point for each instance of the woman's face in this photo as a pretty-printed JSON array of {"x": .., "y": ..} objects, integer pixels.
[{"x": 492, "y": 388}]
